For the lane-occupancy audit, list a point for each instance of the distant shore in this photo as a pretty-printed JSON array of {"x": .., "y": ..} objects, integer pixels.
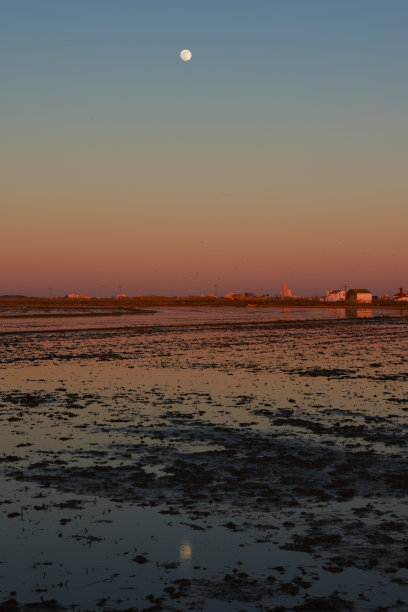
[
  {"x": 138, "y": 305},
  {"x": 58, "y": 312}
]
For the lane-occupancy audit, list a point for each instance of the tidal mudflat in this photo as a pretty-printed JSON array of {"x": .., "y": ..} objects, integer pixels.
[{"x": 235, "y": 466}]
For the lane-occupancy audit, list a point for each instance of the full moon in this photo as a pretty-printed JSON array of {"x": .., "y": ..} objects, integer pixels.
[{"x": 185, "y": 55}]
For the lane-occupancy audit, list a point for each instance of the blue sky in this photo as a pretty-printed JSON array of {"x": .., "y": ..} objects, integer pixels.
[{"x": 292, "y": 113}]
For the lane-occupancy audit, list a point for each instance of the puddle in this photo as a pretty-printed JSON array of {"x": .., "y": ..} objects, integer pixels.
[{"x": 217, "y": 469}]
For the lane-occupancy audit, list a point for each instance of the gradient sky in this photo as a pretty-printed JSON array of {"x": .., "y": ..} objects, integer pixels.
[{"x": 279, "y": 153}]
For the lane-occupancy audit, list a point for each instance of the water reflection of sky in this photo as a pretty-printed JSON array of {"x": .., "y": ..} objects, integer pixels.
[
  {"x": 94, "y": 558},
  {"x": 139, "y": 396},
  {"x": 185, "y": 316}
]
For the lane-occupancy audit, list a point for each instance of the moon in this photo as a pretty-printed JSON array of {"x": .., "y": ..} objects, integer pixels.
[{"x": 186, "y": 55}]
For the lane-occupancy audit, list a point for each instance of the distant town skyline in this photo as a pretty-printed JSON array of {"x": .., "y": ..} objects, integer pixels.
[
  {"x": 284, "y": 292},
  {"x": 276, "y": 154}
]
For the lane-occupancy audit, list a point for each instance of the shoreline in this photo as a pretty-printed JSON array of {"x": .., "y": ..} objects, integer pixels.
[
  {"x": 162, "y": 326},
  {"x": 52, "y": 315},
  {"x": 144, "y": 302}
]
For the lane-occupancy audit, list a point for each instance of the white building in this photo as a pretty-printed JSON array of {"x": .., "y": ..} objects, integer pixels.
[
  {"x": 286, "y": 292},
  {"x": 401, "y": 296},
  {"x": 335, "y": 295}
]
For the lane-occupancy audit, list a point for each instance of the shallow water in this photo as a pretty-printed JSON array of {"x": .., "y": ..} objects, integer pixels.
[
  {"x": 242, "y": 466},
  {"x": 187, "y": 316}
]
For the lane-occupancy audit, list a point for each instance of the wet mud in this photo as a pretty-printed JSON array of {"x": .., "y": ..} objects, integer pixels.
[{"x": 277, "y": 454}]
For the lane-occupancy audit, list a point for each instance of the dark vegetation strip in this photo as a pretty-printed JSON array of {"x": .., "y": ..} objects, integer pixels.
[{"x": 165, "y": 301}]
